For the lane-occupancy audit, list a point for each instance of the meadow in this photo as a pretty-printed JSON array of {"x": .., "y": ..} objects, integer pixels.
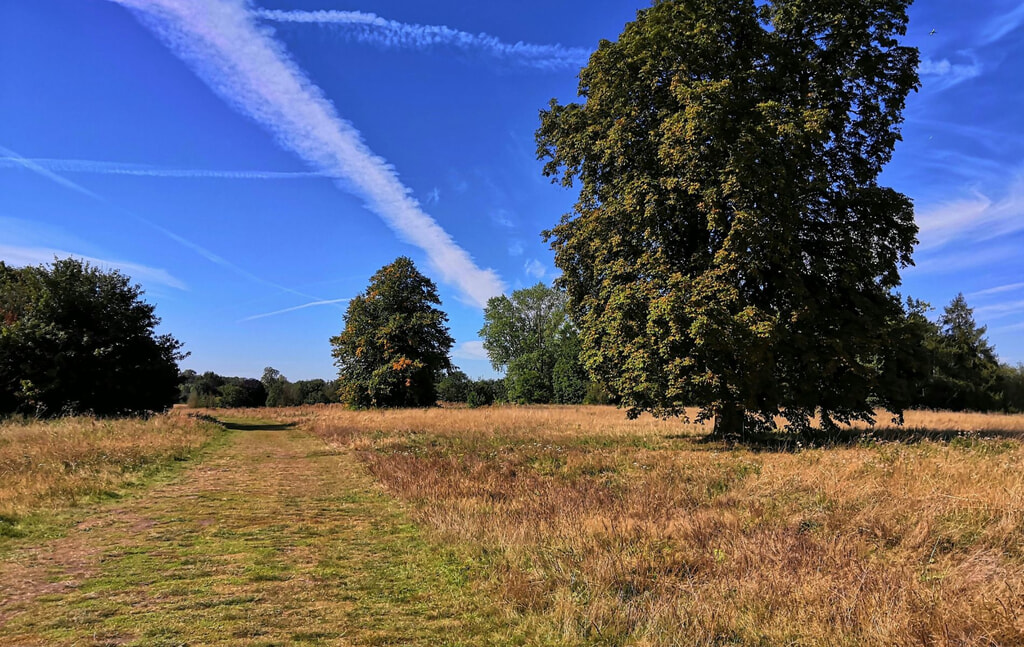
[
  {"x": 611, "y": 531},
  {"x": 528, "y": 525},
  {"x": 55, "y": 464}
]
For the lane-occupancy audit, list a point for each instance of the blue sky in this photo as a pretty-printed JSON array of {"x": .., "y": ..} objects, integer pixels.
[{"x": 251, "y": 165}]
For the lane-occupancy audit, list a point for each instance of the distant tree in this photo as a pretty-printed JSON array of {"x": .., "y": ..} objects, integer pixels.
[
  {"x": 280, "y": 392},
  {"x": 240, "y": 392},
  {"x": 965, "y": 370},
  {"x": 731, "y": 247},
  {"x": 395, "y": 343},
  {"x": 1011, "y": 387},
  {"x": 483, "y": 393},
  {"x": 454, "y": 387},
  {"x": 569, "y": 380},
  {"x": 528, "y": 335},
  {"x": 77, "y": 339},
  {"x": 315, "y": 391}
]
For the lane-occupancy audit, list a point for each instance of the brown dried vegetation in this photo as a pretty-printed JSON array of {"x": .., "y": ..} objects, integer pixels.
[
  {"x": 56, "y": 462},
  {"x": 645, "y": 533}
]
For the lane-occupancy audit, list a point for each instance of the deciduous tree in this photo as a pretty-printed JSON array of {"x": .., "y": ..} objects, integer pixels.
[
  {"x": 395, "y": 343},
  {"x": 731, "y": 246},
  {"x": 77, "y": 339}
]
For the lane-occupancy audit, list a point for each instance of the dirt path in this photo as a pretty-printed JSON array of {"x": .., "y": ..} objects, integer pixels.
[{"x": 273, "y": 539}]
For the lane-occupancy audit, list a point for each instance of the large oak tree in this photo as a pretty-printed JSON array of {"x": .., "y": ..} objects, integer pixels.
[{"x": 731, "y": 246}]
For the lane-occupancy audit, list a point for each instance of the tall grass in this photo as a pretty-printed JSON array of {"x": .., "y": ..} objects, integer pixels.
[
  {"x": 57, "y": 462},
  {"x": 644, "y": 533}
]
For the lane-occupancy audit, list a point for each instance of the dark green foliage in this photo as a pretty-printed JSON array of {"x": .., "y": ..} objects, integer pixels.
[
  {"x": 528, "y": 378},
  {"x": 569, "y": 381},
  {"x": 316, "y": 391},
  {"x": 280, "y": 392},
  {"x": 1011, "y": 387},
  {"x": 395, "y": 342},
  {"x": 76, "y": 339},
  {"x": 965, "y": 374},
  {"x": 528, "y": 336},
  {"x": 597, "y": 394},
  {"x": 273, "y": 389},
  {"x": 483, "y": 393},
  {"x": 731, "y": 247},
  {"x": 454, "y": 387},
  {"x": 239, "y": 392}
]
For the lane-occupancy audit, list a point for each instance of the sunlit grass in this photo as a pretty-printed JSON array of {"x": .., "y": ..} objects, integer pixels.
[
  {"x": 643, "y": 532},
  {"x": 56, "y": 463}
]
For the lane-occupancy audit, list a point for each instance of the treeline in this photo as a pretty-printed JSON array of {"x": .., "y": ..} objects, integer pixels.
[
  {"x": 76, "y": 339},
  {"x": 960, "y": 370},
  {"x": 272, "y": 390}
]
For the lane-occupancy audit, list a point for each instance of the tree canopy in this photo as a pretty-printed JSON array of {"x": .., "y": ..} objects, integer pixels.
[
  {"x": 530, "y": 337},
  {"x": 731, "y": 246},
  {"x": 77, "y": 339},
  {"x": 395, "y": 343},
  {"x": 965, "y": 373}
]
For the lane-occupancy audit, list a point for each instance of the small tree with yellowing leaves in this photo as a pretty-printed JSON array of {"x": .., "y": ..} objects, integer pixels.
[{"x": 395, "y": 343}]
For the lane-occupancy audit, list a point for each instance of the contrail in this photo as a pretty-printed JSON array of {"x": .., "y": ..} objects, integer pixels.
[
  {"x": 325, "y": 302},
  {"x": 372, "y": 29},
  {"x": 243, "y": 63},
  {"x": 23, "y": 256},
  {"x": 19, "y": 161},
  {"x": 181, "y": 240},
  {"x": 144, "y": 170}
]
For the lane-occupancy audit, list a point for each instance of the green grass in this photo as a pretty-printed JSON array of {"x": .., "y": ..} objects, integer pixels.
[{"x": 270, "y": 540}]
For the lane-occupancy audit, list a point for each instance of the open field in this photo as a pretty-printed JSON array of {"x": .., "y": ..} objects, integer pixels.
[
  {"x": 618, "y": 532},
  {"x": 55, "y": 464},
  {"x": 540, "y": 525}
]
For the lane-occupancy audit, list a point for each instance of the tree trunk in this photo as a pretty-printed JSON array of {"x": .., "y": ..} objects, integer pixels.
[{"x": 729, "y": 422}]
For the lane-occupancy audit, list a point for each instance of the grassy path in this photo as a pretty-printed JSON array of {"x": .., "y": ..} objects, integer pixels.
[{"x": 273, "y": 539}]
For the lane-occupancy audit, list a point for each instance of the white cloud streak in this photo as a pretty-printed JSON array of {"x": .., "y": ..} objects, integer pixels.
[
  {"x": 18, "y": 161},
  {"x": 976, "y": 218},
  {"x": 1000, "y": 310},
  {"x": 181, "y": 240},
  {"x": 250, "y": 70},
  {"x": 471, "y": 350},
  {"x": 372, "y": 29},
  {"x": 323, "y": 302},
  {"x": 1012, "y": 287},
  {"x": 144, "y": 170},
  {"x": 1004, "y": 25},
  {"x": 24, "y": 256},
  {"x": 942, "y": 74}
]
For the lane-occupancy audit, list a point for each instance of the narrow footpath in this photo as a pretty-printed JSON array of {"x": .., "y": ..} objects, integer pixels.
[{"x": 273, "y": 538}]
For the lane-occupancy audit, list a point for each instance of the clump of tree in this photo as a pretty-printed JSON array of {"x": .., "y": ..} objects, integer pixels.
[
  {"x": 457, "y": 387},
  {"x": 395, "y": 344},
  {"x": 272, "y": 390},
  {"x": 211, "y": 390},
  {"x": 964, "y": 373},
  {"x": 77, "y": 339},
  {"x": 529, "y": 336},
  {"x": 731, "y": 247}
]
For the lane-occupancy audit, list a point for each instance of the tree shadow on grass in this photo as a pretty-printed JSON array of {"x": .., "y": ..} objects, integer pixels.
[
  {"x": 257, "y": 426},
  {"x": 788, "y": 442}
]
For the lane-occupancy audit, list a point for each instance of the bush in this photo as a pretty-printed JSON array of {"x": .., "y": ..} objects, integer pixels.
[{"x": 76, "y": 339}]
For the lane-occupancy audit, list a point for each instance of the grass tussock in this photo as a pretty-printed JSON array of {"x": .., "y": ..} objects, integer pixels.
[
  {"x": 54, "y": 463},
  {"x": 643, "y": 532}
]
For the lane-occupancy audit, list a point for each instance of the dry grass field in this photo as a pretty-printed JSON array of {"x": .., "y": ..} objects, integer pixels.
[
  {"x": 55, "y": 463},
  {"x": 509, "y": 525},
  {"x": 609, "y": 531}
]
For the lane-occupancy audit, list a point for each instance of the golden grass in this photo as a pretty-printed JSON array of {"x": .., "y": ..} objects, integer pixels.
[
  {"x": 645, "y": 533},
  {"x": 56, "y": 462}
]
